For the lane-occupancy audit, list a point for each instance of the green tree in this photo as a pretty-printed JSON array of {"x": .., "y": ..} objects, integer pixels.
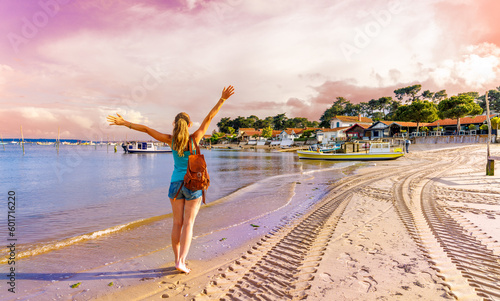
[
  {"x": 350, "y": 109},
  {"x": 314, "y": 124},
  {"x": 279, "y": 121},
  {"x": 373, "y": 105},
  {"x": 364, "y": 108},
  {"x": 263, "y": 123},
  {"x": 493, "y": 98},
  {"x": 384, "y": 103},
  {"x": 458, "y": 107},
  {"x": 251, "y": 120},
  {"x": 306, "y": 134},
  {"x": 231, "y": 130},
  {"x": 224, "y": 124},
  {"x": 495, "y": 122},
  {"x": 267, "y": 132},
  {"x": 421, "y": 111},
  {"x": 428, "y": 95},
  {"x": 214, "y": 139},
  {"x": 410, "y": 92},
  {"x": 242, "y": 122},
  {"x": 475, "y": 95},
  {"x": 394, "y": 105},
  {"x": 337, "y": 108},
  {"x": 440, "y": 95},
  {"x": 401, "y": 113}
]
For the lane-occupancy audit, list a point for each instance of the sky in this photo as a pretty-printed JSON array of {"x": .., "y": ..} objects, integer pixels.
[{"x": 66, "y": 64}]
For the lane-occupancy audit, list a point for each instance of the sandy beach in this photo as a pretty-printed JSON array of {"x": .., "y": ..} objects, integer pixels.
[{"x": 423, "y": 227}]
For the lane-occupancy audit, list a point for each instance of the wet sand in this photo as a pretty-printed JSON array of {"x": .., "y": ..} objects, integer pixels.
[{"x": 369, "y": 236}]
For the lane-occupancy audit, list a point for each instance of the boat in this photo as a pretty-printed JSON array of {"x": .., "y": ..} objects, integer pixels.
[
  {"x": 139, "y": 147},
  {"x": 377, "y": 151},
  {"x": 324, "y": 148}
]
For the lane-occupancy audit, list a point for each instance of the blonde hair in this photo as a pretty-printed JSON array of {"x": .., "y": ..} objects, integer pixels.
[{"x": 181, "y": 133}]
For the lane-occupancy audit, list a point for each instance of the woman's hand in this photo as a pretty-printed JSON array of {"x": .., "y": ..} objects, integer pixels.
[
  {"x": 113, "y": 120},
  {"x": 227, "y": 92}
]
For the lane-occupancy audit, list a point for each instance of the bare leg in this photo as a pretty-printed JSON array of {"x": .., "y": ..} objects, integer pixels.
[
  {"x": 191, "y": 209},
  {"x": 178, "y": 219}
]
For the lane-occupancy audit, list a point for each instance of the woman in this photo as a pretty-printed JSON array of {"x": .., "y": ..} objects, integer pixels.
[{"x": 186, "y": 206}]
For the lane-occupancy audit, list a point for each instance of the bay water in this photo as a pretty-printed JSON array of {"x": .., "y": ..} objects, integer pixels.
[{"x": 83, "y": 191}]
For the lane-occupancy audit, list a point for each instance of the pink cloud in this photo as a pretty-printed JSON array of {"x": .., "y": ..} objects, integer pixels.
[{"x": 282, "y": 56}]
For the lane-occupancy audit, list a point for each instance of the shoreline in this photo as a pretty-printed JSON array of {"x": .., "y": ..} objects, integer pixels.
[
  {"x": 369, "y": 251},
  {"x": 128, "y": 257}
]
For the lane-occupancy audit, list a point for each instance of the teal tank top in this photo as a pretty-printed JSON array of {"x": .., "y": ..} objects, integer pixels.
[{"x": 180, "y": 165}]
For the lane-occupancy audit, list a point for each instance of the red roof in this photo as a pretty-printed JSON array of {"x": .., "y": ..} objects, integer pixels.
[
  {"x": 465, "y": 120},
  {"x": 335, "y": 129},
  {"x": 295, "y": 130},
  {"x": 276, "y": 133},
  {"x": 354, "y": 119},
  {"x": 363, "y": 126},
  {"x": 410, "y": 124},
  {"x": 250, "y": 132}
]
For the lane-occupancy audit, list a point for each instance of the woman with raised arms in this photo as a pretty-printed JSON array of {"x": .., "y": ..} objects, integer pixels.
[{"x": 186, "y": 205}]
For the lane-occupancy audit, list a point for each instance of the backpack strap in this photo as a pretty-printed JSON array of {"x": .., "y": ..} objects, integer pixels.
[
  {"x": 175, "y": 197},
  {"x": 193, "y": 146}
]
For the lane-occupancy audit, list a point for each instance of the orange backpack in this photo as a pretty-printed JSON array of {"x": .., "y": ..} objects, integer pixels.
[{"x": 196, "y": 177}]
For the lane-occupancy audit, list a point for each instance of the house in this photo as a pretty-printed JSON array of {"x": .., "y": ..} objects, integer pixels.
[
  {"x": 356, "y": 131},
  {"x": 386, "y": 128},
  {"x": 326, "y": 136},
  {"x": 450, "y": 125},
  {"x": 290, "y": 134},
  {"x": 379, "y": 129},
  {"x": 403, "y": 128},
  {"x": 247, "y": 134},
  {"x": 347, "y": 121}
]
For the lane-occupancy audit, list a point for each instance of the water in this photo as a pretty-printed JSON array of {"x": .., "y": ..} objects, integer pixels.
[{"x": 79, "y": 190}]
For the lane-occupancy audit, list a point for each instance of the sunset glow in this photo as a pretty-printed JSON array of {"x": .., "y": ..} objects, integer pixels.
[{"x": 68, "y": 64}]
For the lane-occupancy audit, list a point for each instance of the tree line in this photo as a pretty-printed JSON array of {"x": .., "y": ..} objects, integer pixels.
[
  {"x": 278, "y": 122},
  {"x": 410, "y": 104}
]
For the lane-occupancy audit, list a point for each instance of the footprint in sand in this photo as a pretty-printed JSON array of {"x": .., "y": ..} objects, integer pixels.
[{"x": 347, "y": 260}]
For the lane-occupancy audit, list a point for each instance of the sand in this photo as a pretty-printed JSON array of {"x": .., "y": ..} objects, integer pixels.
[{"x": 423, "y": 227}]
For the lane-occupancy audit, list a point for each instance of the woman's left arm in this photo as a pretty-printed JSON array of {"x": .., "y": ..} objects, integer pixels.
[
  {"x": 226, "y": 93},
  {"x": 114, "y": 120}
]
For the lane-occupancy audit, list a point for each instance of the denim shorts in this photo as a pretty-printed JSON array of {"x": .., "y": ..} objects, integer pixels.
[{"x": 185, "y": 193}]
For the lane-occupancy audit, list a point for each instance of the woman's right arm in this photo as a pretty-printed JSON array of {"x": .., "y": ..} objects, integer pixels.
[
  {"x": 114, "y": 120},
  {"x": 226, "y": 93}
]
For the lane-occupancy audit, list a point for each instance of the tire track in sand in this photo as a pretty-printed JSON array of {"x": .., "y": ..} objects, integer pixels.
[
  {"x": 282, "y": 265},
  {"x": 467, "y": 265}
]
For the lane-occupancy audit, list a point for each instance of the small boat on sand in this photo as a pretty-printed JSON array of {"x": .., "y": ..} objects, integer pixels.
[
  {"x": 144, "y": 147},
  {"x": 324, "y": 148},
  {"x": 377, "y": 151}
]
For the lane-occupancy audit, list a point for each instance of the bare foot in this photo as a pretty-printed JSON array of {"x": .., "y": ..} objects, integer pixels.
[{"x": 182, "y": 268}]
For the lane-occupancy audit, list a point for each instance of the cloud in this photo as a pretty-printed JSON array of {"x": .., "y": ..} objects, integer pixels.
[
  {"x": 477, "y": 68},
  {"x": 153, "y": 59},
  {"x": 38, "y": 114}
]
